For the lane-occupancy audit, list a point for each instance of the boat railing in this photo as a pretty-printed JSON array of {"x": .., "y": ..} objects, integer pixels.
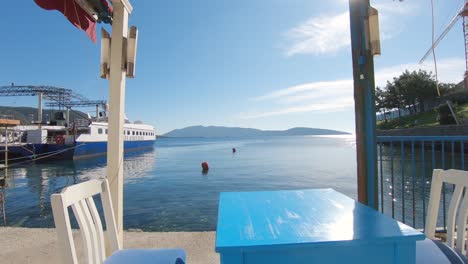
[{"x": 405, "y": 165}]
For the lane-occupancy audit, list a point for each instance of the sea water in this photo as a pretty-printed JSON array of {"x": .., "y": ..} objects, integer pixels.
[{"x": 165, "y": 188}]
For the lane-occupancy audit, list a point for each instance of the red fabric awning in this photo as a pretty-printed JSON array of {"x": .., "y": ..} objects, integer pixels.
[{"x": 74, "y": 13}]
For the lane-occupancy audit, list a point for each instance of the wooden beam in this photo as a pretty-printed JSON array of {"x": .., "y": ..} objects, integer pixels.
[
  {"x": 9, "y": 122},
  {"x": 364, "y": 100},
  {"x": 115, "y": 145}
]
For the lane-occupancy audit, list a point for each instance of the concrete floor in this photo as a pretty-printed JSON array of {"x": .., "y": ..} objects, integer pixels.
[{"x": 38, "y": 245}]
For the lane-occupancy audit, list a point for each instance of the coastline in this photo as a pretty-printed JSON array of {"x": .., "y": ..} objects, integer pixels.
[{"x": 38, "y": 245}]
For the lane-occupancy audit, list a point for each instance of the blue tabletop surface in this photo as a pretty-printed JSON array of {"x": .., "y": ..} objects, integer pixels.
[{"x": 319, "y": 216}]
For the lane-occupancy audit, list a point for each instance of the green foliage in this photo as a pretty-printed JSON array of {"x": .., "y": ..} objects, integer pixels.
[
  {"x": 445, "y": 116},
  {"x": 411, "y": 90},
  {"x": 428, "y": 118}
]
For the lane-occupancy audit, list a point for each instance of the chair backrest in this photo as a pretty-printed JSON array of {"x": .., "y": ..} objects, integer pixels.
[
  {"x": 80, "y": 198},
  {"x": 457, "y": 213}
]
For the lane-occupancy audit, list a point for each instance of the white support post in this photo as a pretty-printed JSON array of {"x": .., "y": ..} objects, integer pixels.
[
  {"x": 67, "y": 118},
  {"x": 117, "y": 76},
  {"x": 39, "y": 109},
  {"x": 6, "y": 147}
]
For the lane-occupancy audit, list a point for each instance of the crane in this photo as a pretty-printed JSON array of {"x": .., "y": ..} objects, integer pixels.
[{"x": 463, "y": 14}]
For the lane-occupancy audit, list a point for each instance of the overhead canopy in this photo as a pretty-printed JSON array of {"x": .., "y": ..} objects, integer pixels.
[{"x": 83, "y": 14}]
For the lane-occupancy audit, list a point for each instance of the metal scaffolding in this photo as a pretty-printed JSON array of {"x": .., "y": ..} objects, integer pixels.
[
  {"x": 81, "y": 103},
  {"x": 62, "y": 98},
  {"x": 50, "y": 93}
]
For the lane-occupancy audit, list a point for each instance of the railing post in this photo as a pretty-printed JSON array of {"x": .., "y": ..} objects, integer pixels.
[{"x": 364, "y": 96}]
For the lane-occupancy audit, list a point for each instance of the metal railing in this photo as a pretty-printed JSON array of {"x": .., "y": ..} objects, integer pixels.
[{"x": 405, "y": 165}]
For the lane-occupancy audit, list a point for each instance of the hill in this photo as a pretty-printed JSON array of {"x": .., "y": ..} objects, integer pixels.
[
  {"x": 27, "y": 114},
  {"x": 218, "y": 131}
]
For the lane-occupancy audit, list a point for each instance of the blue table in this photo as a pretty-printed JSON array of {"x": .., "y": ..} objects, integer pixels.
[{"x": 308, "y": 226}]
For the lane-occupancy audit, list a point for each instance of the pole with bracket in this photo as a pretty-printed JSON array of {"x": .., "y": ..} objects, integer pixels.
[
  {"x": 364, "y": 97},
  {"x": 117, "y": 75}
]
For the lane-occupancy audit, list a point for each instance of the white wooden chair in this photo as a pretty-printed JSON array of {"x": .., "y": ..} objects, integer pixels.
[
  {"x": 431, "y": 250},
  {"x": 95, "y": 241}
]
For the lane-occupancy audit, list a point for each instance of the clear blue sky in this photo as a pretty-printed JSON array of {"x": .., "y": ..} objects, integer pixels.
[{"x": 268, "y": 64}]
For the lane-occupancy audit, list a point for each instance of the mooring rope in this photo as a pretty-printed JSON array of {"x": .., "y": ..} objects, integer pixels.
[{"x": 41, "y": 156}]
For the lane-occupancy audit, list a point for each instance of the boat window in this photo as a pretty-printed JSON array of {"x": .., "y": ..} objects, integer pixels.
[
  {"x": 107, "y": 131},
  {"x": 133, "y": 133},
  {"x": 99, "y": 130},
  {"x": 128, "y": 132}
]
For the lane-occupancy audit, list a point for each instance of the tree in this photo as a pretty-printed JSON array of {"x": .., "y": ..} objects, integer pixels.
[
  {"x": 380, "y": 102},
  {"x": 412, "y": 90},
  {"x": 393, "y": 97},
  {"x": 417, "y": 88}
]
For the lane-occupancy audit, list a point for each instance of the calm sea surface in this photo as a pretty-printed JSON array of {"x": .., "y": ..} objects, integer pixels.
[{"x": 165, "y": 189}]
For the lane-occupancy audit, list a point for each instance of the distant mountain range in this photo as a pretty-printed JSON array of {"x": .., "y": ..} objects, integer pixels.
[
  {"x": 27, "y": 114},
  {"x": 218, "y": 131}
]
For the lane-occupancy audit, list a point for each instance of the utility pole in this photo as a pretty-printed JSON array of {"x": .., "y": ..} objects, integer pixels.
[{"x": 364, "y": 97}]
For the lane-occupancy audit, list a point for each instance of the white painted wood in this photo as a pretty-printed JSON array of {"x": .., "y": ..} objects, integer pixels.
[
  {"x": 452, "y": 214},
  {"x": 461, "y": 223},
  {"x": 101, "y": 256},
  {"x": 111, "y": 227},
  {"x": 433, "y": 206},
  {"x": 66, "y": 245},
  {"x": 126, "y": 3},
  {"x": 78, "y": 210},
  {"x": 117, "y": 75},
  {"x": 79, "y": 198},
  {"x": 457, "y": 214},
  {"x": 92, "y": 229},
  {"x": 73, "y": 194}
]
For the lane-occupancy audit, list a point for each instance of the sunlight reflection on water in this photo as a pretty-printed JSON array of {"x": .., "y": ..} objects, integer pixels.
[{"x": 165, "y": 189}]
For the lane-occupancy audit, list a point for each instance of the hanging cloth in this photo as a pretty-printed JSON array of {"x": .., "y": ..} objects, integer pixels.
[{"x": 75, "y": 14}]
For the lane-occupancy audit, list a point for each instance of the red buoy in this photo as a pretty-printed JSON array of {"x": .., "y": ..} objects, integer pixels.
[{"x": 205, "y": 166}]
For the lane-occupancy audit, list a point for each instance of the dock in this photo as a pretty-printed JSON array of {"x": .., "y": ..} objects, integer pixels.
[
  {"x": 18, "y": 247},
  {"x": 5, "y": 124}
]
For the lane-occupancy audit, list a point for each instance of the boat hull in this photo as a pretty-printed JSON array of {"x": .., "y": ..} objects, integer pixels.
[
  {"x": 78, "y": 150},
  {"x": 85, "y": 150}
]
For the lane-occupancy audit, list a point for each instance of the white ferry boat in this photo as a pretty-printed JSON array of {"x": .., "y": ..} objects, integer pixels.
[{"x": 77, "y": 141}]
